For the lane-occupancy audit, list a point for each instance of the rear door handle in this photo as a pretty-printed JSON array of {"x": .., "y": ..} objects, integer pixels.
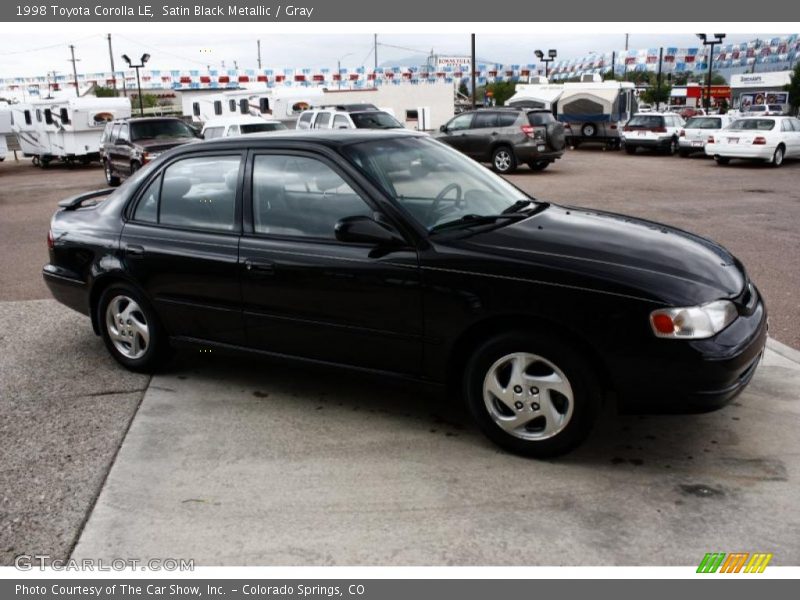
[
  {"x": 260, "y": 267},
  {"x": 134, "y": 251}
]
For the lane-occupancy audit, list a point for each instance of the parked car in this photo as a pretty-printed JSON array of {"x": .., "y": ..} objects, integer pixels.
[
  {"x": 694, "y": 134},
  {"x": 755, "y": 110},
  {"x": 129, "y": 144},
  {"x": 392, "y": 253},
  {"x": 506, "y": 137},
  {"x": 347, "y": 116},
  {"x": 242, "y": 125},
  {"x": 768, "y": 139},
  {"x": 655, "y": 131}
]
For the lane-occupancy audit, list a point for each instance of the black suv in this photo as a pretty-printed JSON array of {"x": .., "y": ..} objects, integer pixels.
[
  {"x": 128, "y": 144},
  {"x": 506, "y": 137}
]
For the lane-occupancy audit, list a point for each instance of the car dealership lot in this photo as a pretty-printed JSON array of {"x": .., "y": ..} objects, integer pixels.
[{"x": 228, "y": 461}]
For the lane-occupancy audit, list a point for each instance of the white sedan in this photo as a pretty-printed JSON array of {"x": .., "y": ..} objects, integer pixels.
[{"x": 769, "y": 139}]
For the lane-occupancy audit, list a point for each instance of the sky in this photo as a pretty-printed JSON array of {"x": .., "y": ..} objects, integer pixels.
[{"x": 28, "y": 55}]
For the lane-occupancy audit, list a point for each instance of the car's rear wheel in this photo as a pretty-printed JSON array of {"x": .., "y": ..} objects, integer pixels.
[
  {"x": 130, "y": 329},
  {"x": 111, "y": 179},
  {"x": 683, "y": 153},
  {"x": 539, "y": 165},
  {"x": 777, "y": 158},
  {"x": 722, "y": 160},
  {"x": 503, "y": 160},
  {"x": 531, "y": 394},
  {"x": 630, "y": 149}
]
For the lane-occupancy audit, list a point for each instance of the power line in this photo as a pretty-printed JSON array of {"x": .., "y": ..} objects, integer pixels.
[{"x": 59, "y": 45}]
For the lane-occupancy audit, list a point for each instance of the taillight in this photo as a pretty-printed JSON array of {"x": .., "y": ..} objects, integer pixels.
[
  {"x": 613, "y": 126},
  {"x": 682, "y": 133},
  {"x": 659, "y": 130},
  {"x": 536, "y": 133},
  {"x": 527, "y": 130},
  {"x": 51, "y": 242},
  {"x": 710, "y": 139},
  {"x": 760, "y": 141}
]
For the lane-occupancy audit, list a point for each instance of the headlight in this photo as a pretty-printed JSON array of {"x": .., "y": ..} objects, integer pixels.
[{"x": 693, "y": 322}]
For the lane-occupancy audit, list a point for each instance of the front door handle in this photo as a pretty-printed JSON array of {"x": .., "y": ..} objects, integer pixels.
[
  {"x": 260, "y": 267},
  {"x": 134, "y": 251}
]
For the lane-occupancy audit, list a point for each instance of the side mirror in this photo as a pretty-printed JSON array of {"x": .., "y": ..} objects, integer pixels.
[
  {"x": 366, "y": 230},
  {"x": 443, "y": 128}
]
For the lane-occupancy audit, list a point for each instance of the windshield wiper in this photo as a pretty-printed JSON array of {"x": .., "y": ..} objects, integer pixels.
[
  {"x": 518, "y": 206},
  {"x": 472, "y": 220}
]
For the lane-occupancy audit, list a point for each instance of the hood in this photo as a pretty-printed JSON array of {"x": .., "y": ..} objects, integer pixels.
[
  {"x": 618, "y": 254},
  {"x": 162, "y": 144}
]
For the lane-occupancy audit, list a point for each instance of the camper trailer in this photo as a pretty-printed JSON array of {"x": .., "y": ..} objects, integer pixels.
[
  {"x": 282, "y": 104},
  {"x": 592, "y": 110},
  {"x": 5, "y": 129},
  {"x": 65, "y": 129}
]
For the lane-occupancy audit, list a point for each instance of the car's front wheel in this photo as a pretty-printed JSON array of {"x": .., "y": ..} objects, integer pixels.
[
  {"x": 503, "y": 160},
  {"x": 130, "y": 329},
  {"x": 531, "y": 394}
]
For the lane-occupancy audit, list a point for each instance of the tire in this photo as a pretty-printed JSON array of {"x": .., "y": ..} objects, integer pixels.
[
  {"x": 777, "y": 158},
  {"x": 589, "y": 130},
  {"x": 135, "y": 166},
  {"x": 538, "y": 165},
  {"x": 542, "y": 422},
  {"x": 630, "y": 149},
  {"x": 683, "y": 153},
  {"x": 672, "y": 149},
  {"x": 722, "y": 160},
  {"x": 131, "y": 330},
  {"x": 503, "y": 160},
  {"x": 111, "y": 179}
]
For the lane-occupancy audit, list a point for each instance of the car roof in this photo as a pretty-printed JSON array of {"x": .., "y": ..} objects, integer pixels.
[
  {"x": 240, "y": 120},
  {"x": 326, "y": 137}
]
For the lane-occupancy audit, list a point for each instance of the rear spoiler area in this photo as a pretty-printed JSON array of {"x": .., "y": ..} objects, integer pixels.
[{"x": 76, "y": 202}]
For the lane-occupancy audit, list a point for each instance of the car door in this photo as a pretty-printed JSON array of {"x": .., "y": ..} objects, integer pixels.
[
  {"x": 123, "y": 150},
  {"x": 456, "y": 131},
  {"x": 481, "y": 134},
  {"x": 306, "y": 294},
  {"x": 113, "y": 146},
  {"x": 181, "y": 244},
  {"x": 323, "y": 120},
  {"x": 795, "y": 136}
]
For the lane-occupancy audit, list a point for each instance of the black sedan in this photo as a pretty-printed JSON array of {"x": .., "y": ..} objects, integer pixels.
[{"x": 392, "y": 253}]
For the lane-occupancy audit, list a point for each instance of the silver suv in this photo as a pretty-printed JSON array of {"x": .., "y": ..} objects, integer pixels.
[{"x": 347, "y": 116}]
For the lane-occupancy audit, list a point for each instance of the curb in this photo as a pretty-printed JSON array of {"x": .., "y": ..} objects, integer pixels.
[{"x": 784, "y": 350}]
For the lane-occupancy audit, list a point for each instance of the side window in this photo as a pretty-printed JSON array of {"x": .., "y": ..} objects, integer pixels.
[
  {"x": 244, "y": 106},
  {"x": 217, "y": 107},
  {"x": 64, "y": 116},
  {"x": 263, "y": 105},
  {"x": 340, "y": 122},
  {"x": 232, "y": 105},
  {"x": 28, "y": 120},
  {"x": 200, "y": 193},
  {"x": 213, "y": 132},
  {"x": 115, "y": 133},
  {"x": 460, "y": 122},
  {"x": 305, "y": 118},
  {"x": 48, "y": 116},
  {"x": 485, "y": 120},
  {"x": 323, "y": 121},
  {"x": 506, "y": 119},
  {"x": 232, "y": 130},
  {"x": 38, "y": 115},
  {"x": 124, "y": 134},
  {"x": 300, "y": 196},
  {"x": 196, "y": 109},
  {"x": 786, "y": 126},
  {"x": 147, "y": 208},
  {"x": 796, "y": 125}
]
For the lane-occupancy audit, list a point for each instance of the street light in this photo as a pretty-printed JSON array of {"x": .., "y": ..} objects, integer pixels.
[
  {"x": 551, "y": 57},
  {"x": 718, "y": 37},
  {"x": 339, "y": 67},
  {"x": 143, "y": 60}
]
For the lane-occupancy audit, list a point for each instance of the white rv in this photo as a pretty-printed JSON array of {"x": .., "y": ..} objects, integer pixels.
[
  {"x": 282, "y": 104},
  {"x": 66, "y": 129},
  {"x": 592, "y": 110},
  {"x": 5, "y": 128}
]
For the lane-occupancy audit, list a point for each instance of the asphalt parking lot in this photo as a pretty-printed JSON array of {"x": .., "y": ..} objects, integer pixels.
[{"x": 229, "y": 461}]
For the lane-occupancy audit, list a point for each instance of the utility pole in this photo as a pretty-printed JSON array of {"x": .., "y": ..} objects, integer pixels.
[
  {"x": 658, "y": 93},
  {"x": 626, "y": 41},
  {"x": 472, "y": 68},
  {"x": 614, "y": 65},
  {"x": 375, "y": 53},
  {"x": 259, "y": 54},
  {"x": 73, "y": 60},
  {"x": 113, "y": 73}
]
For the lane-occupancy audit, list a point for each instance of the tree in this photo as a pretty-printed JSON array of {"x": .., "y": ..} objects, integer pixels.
[
  {"x": 500, "y": 90},
  {"x": 793, "y": 88},
  {"x": 104, "y": 92},
  {"x": 657, "y": 95}
]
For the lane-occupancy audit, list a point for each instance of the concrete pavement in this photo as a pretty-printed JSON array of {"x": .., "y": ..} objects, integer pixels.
[{"x": 236, "y": 462}]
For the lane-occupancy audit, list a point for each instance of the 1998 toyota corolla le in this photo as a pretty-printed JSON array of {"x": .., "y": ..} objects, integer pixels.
[{"x": 393, "y": 253}]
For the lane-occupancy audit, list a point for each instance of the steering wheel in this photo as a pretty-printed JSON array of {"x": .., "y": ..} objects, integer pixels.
[{"x": 434, "y": 207}]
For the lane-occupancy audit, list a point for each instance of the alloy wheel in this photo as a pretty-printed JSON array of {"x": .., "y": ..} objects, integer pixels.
[
  {"x": 127, "y": 327},
  {"x": 502, "y": 160}
]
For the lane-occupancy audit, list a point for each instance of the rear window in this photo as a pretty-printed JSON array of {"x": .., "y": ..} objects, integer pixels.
[
  {"x": 646, "y": 121},
  {"x": 259, "y": 127},
  {"x": 375, "y": 120},
  {"x": 159, "y": 129},
  {"x": 703, "y": 123},
  {"x": 755, "y": 124},
  {"x": 540, "y": 118}
]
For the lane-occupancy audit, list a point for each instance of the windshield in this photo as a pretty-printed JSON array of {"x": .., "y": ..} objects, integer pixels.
[
  {"x": 375, "y": 120},
  {"x": 259, "y": 127},
  {"x": 758, "y": 124},
  {"x": 433, "y": 182},
  {"x": 703, "y": 123},
  {"x": 166, "y": 128}
]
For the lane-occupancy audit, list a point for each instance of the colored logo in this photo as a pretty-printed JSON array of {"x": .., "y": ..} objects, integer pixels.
[{"x": 737, "y": 562}]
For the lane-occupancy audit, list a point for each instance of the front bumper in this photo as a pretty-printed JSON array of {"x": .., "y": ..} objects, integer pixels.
[{"x": 681, "y": 376}]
